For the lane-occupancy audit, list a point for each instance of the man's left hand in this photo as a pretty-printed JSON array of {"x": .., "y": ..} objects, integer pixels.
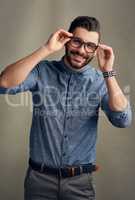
[{"x": 105, "y": 57}]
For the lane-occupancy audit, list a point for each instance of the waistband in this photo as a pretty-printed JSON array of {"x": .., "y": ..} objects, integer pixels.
[{"x": 64, "y": 171}]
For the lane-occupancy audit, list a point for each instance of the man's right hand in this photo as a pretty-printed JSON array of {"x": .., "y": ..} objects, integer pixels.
[
  {"x": 17, "y": 72},
  {"x": 57, "y": 40}
]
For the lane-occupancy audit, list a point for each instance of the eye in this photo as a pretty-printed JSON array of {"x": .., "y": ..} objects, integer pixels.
[
  {"x": 77, "y": 41},
  {"x": 91, "y": 45}
]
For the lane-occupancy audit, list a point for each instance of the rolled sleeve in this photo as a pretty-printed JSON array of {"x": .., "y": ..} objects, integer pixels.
[
  {"x": 121, "y": 119},
  {"x": 28, "y": 84}
]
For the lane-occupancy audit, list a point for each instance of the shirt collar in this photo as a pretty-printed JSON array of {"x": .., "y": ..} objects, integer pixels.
[{"x": 86, "y": 71}]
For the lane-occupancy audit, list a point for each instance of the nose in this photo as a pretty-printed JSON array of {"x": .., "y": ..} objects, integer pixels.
[{"x": 82, "y": 49}]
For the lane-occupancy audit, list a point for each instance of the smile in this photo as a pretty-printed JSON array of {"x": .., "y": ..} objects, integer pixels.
[{"x": 78, "y": 58}]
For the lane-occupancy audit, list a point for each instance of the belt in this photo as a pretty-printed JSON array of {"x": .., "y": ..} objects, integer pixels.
[{"x": 63, "y": 172}]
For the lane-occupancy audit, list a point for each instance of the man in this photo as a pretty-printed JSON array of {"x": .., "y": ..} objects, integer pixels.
[{"x": 67, "y": 95}]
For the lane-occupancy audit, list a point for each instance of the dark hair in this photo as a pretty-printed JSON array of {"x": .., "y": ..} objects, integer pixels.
[{"x": 86, "y": 22}]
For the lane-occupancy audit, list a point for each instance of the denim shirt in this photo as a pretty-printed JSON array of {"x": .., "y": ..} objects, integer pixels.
[{"x": 66, "y": 106}]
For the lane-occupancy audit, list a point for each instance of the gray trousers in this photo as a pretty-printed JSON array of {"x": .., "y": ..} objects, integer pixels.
[{"x": 41, "y": 186}]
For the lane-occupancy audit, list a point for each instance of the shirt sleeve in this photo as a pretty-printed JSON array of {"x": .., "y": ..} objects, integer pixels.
[
  {"x": 119, "y": 119},
  {"x": 29, "y": 84}
]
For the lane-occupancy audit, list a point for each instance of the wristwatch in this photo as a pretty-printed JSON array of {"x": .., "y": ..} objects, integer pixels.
[{"x": 108, "y": 74}]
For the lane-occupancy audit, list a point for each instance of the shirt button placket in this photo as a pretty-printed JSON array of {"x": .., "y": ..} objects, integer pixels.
[{"x": 67, "y": 123}]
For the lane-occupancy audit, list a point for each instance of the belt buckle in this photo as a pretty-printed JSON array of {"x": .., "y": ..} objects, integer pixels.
[{"x": 72, "y": 171}]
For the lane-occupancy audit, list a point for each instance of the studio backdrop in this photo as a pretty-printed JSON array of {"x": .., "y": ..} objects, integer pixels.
[{"x": 24, "y": 27}]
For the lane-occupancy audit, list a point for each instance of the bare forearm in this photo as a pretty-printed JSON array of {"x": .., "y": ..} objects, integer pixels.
[
  {"x": 117, "y": 100},
  {"x": 17, "y": 72}
]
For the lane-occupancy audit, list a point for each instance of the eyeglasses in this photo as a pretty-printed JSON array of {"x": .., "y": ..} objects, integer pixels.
[{"x": 76, "y": 42}]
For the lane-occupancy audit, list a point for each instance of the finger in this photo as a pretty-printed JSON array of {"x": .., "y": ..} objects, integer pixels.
[
  {"x": 105, "y": 47},
  {"x": 103, "y": 53},
  {"x": 66, "y": 40},
  {"x": 100, "y": 54},
  {"x": 100, "y": 51},
  {"x": 62, "y": 32}
]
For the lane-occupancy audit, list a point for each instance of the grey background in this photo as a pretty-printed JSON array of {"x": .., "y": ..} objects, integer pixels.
[{"x": 24, "y": 26}]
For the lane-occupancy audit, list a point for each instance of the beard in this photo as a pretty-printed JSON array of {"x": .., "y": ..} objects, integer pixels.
[{"x": 69, "y": 55}]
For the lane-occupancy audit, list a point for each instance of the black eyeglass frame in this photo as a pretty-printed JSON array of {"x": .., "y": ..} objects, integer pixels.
[{"x": 83, "y": 43}]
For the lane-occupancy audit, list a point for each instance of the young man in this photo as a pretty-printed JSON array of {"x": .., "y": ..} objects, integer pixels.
[{"x": 67, "y": 95}]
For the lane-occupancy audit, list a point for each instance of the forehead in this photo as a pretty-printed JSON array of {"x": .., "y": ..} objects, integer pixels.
[{"x": 86, "y": 36}]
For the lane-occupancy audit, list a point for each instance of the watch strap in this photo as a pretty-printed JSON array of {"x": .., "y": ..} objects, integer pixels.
[{"x": 108, "y": 74}]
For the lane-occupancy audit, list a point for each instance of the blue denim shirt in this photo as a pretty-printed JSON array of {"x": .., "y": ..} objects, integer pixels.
[{"x": 65, "y": 112}]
